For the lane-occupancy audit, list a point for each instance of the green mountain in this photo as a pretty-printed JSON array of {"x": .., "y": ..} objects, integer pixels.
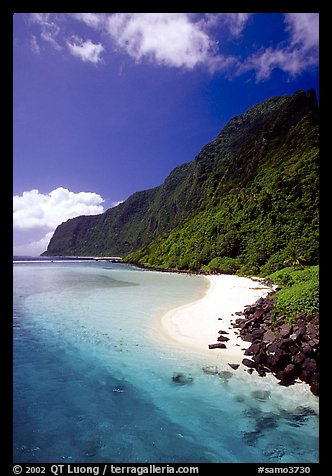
[{"x": 247, "y": 202}]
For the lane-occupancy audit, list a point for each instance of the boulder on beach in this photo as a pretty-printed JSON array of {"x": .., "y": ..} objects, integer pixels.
[
  {"x": 222, "y": 338},
  {"x": 289, "y": 351},
  {"x": 248, "y": 363},
  {"x": 234, "y": 366},
  {"x": 219, "y": 345}
]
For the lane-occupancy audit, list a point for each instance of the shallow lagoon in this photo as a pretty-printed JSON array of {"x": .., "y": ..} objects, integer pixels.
[{"x": 93, "y": 380}]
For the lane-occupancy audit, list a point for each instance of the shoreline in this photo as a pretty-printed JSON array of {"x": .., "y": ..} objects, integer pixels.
[{"x": 197, "y": 324}]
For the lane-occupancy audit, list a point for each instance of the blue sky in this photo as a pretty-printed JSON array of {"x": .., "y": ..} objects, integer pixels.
[{"x": 108, "y": 104}]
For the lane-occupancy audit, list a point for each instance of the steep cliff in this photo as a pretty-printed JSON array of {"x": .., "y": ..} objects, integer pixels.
[{"x": 249, "y": 198}]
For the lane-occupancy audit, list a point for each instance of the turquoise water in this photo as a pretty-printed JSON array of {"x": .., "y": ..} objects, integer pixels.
[{"x": 93, "y": 377}]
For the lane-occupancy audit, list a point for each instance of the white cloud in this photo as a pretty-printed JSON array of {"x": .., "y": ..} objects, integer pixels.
[
  {"x": 303, "y": 29},
  {"x": 298, "y": 54},
  {"x": 42, "y": 213},
  {"x": 94, "y": 20},
  {"x": 169, "y": 39},
  {"x": 34, "y": 45},
  {"x": 233, "y": 22},
  {"x": 87, "y": 51},
  {"x": 183, "y": 40},
  {"x": 34, "y": 248},
  {"x": 49, "y": 29},
  {"x": 115, "y": 204},
  {"x": 33, "y": 209}
]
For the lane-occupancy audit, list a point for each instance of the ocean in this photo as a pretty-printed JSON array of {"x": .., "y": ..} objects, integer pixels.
[{"x": 96, "y": 381}]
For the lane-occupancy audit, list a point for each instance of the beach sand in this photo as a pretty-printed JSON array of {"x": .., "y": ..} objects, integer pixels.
[{"x": 197, "y": 324}]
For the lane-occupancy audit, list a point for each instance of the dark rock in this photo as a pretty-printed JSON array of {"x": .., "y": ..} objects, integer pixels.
[
  {"x": 286, "y": 330},
  {"x": 306, "y": 349},
  {"x": 314, "y": 387},
  {"x": 261, "y": 370},
  {"x": 248, "y": 363},
  {"x": 278, "y": 360},
  {"x": 253, "y": 349},
  {"x": 285, "y": 382},
  {"x": 182, "y": 378},
  {"x": 223, "y": 332},
  {"x": 298, "y": 358},
  {"x": 222, "y": 339},
  {"x": 239, "y": 322},
  {"x": 268, "y": 317},
  {"x": 220, "y": 345},
  {"x": 234, "y": 366},
  {"x": 287, "y": 375},
  {"x": 269, "y": 336},
  {"x": 312, "y": 330},
  {"x": 305, "y": 376},
  {"x": 274, "y": 346},
  {"x": 309, "y": 365},
  {"x": 290, "y": 351},
  {"x": 285, "y": 343},
  {"x": 258, "y": 314},
  {"x": 260, "y": 358},
  {"x": 313, "y": 342},
  {"x": 297, "y": 334},
  {"x": 290, "y": 368},
  {"x": 257, "y": 334},
  {"x": 246, "y": 337}
]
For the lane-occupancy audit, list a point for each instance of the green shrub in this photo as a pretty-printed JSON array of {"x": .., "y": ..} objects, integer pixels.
[
  {"x": 224, "y": 265},
  {"x": 299, "y": 292},
  {"x": 274, "y": 263}
]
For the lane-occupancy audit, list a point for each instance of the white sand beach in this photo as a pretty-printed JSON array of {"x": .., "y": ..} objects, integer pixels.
[{"x": 197, "y": 324}]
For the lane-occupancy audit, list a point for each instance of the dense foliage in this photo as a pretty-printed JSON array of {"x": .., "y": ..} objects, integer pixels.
[
  {"x": 246, "y": 204},
  {"x": 258, "y": 223},
  {"x": 299, "y": 292}
]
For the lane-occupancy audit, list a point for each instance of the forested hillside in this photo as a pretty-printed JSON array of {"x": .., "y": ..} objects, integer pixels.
[{"x": 246, "y": 203}]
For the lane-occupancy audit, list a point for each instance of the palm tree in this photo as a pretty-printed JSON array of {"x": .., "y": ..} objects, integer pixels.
[{"x": 295, "y": 260}]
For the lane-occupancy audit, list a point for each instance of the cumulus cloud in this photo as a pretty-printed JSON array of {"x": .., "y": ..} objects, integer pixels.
[
  {"x": 169, "y": 39},
  {"x": 181, "y": 40},
  {"x": 33, "y": 209},
  {"x": 42, "y": 213},
  {"x": 87, "y": 51}
]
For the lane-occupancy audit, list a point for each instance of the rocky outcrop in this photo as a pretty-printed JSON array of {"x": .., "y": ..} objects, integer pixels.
[{"x": 289, "y": 350}]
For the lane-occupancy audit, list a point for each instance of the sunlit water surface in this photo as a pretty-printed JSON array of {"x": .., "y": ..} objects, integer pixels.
[{"x": 93, "y": 379}]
